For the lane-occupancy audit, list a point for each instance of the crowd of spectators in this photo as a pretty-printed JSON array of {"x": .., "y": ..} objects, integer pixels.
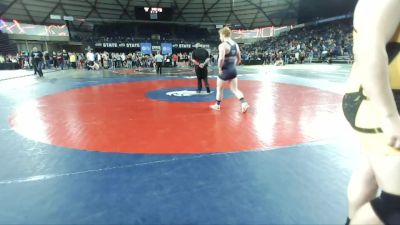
[
  {"x": 92, "y": 60},
  {"x": 316, "y": 43},
  {"x": 323, "y": 42},
  {"x": 126, "y": 33}
]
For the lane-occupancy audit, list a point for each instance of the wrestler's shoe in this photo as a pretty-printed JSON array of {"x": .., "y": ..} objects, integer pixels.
[
  {"x": 245, "y": 107},
  {"x": 215, "y": 107}
]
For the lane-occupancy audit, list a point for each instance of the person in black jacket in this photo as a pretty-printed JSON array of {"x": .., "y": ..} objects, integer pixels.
[
  {"x": 200, "y": 59},
  {"x": 37, "y": 61},
  {"x": 65, "y": 59}
]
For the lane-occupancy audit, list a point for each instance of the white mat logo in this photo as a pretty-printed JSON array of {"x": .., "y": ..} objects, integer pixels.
[{"x": 186, "y": 93}]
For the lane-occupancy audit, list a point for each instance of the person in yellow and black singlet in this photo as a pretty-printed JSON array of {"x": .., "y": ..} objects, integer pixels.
[{"x": 371, "y": 106}]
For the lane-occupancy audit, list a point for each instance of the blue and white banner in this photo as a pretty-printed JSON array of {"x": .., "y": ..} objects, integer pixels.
[
  {"x": 145, "y": 48},
  {"x": 166, "y": 48}
]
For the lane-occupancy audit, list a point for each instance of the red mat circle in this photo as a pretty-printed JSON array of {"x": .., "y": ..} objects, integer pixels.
[{"x": 119, "y": 117}]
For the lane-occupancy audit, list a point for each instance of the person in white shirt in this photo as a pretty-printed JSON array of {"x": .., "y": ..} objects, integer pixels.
[
  {"x": 159, "y": 61},
  {"x": 90, "y": 59}
]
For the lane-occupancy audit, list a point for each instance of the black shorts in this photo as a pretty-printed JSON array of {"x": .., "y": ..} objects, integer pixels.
[{"x": 387, "y": 208}]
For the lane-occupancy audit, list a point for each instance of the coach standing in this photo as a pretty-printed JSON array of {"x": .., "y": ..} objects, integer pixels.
[{"x": 200, "y": 59}]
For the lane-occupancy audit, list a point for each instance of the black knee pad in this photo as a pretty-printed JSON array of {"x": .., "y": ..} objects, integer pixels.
[{"x": 387, "y": 208}]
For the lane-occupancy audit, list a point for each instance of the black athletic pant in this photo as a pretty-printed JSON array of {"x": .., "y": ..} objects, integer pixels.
[
  {"x": 202, "y": 74},
  {"x": 159, "y": 65},
  {"x": 37, "y": 67}
]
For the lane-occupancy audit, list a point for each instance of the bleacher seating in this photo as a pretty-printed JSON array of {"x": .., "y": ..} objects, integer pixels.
[{"x": 6, "y": 46}]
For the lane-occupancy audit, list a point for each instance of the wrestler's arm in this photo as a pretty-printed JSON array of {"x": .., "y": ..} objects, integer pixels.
[
  {"x": 238, "y": 55},
  {"x": 195, "y": 62},
  {"x": 221, "y": 57}
]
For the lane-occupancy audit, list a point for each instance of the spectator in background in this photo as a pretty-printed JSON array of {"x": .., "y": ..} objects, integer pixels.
[
  {"x": 54, "y": 59},
  {"x": 159, "y": 61},
  {"x": 175, "y": 59},
  {"x": 65, "y": 59},
  {"x": 73, "y": 59},
  {"x": 90, "y": 59},
  {"x": 37, "y": 61},
  {"x": 60, "y": 60},
  {"x": 47, "y": 60}
]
